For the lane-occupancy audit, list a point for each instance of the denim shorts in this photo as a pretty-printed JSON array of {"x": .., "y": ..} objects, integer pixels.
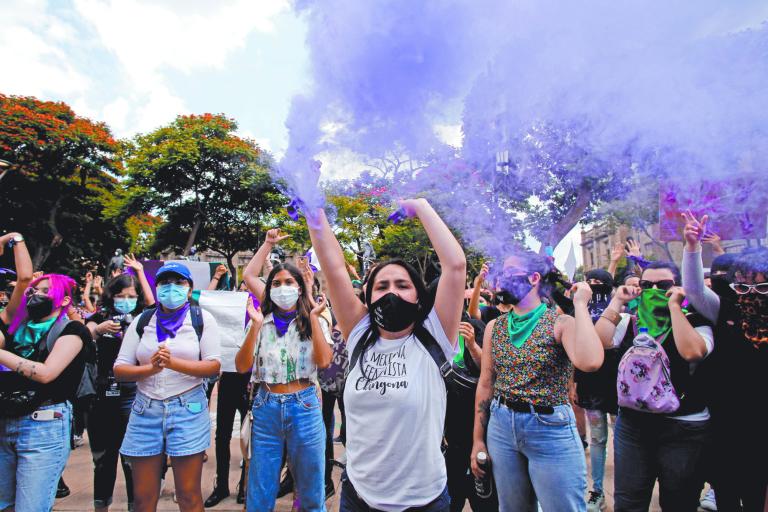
[{"x": 178, "y": 426}]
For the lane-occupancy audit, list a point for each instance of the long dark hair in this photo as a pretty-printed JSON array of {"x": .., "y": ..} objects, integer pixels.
[
  {"x": 423, "y": 296},
  {"x": 118, "y": 284},
  {"x": 303, "y": 307}
]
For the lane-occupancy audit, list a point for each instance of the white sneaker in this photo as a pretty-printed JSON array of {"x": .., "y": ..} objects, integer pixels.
[
  {"x": 596, "y": 501},
  {"x": 78, "y": 441},
  {"x": 708, "y": 501}
]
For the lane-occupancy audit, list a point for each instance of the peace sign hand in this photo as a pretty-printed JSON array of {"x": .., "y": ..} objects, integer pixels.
[{"x": 694, "y": 230}]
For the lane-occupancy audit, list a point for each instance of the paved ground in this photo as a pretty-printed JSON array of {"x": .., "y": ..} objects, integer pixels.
[{"x": 79, "y": 477}]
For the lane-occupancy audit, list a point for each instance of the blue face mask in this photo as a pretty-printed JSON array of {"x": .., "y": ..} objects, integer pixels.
[
  {"x": 172, "y": 296},
  {"x": 125, "y": 305}
]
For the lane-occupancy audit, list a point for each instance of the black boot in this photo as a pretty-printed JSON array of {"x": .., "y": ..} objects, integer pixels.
[
  {"x": 240, "y": 493},
  {"x": 219, "y": 493},
  {"x": 62, "y": 491}
]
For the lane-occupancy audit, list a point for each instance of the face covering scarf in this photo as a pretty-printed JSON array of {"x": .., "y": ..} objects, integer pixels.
[
  {"x": 520, "y": 327},
  {"x": 282, "y": 321},
  {"x": 653, "y": 312},
  {"x": 754, "y": 318},
  {"x": 601, "y": 296},
  {"x": 168, "y": 324}
]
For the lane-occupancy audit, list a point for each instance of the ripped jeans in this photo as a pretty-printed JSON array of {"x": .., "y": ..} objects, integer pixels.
[{"x": 598, "y": 440}]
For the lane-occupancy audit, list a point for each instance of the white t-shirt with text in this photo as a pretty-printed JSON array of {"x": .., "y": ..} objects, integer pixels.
[{"x": 395, "y": 401}]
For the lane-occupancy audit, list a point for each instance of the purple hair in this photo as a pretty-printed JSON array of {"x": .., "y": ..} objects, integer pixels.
[{"x": 61, "y": 286}]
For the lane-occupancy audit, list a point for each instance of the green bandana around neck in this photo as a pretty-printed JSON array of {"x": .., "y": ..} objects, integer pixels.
[
  {"x": 29, "y": 335},
  {"x": 520, "y": 327},
  {"x": 653, "y": 312}
]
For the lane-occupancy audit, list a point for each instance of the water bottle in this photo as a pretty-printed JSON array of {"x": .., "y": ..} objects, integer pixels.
[
  {"x": 643, "y": 339},
  {"x": 484, "y": 486}
]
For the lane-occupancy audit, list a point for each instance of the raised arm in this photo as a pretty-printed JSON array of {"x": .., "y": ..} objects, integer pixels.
[
  {"x": 131, "y": 261},
  {"x": 322, "y": 353},
  {"x": 689, "y": 342},
  {"x": 24, "y": 271},
  {"x": 253, "y": 270},
  {"x": 221, "y": 271},
  {"x": 616, "y": 254},
  {"x": 578, "y": 335},
  {"x": 346, "y": 306},
  {"x": 474, "y": 300},
  {"x": 705, "y": 301},
  {"x": 89, "y": 307},
  {"x": 450, "y": 289},
  {"x": 246, "y": 353}
]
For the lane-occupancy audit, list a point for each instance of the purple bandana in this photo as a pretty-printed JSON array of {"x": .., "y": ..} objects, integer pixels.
[
  {"x": 169, "y": 323},
  {"x": 282, "y": 321}
]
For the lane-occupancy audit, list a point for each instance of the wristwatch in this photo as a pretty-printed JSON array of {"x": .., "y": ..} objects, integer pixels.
[{"x": 15, "y": 240}]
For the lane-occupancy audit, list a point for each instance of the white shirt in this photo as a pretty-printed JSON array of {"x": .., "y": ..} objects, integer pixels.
[
  {"x": 395, "y": 420},
  {"x": 185, "y": 345},
  {"x": 709, "y": 341},
  {"x": 284, "y": 359}
]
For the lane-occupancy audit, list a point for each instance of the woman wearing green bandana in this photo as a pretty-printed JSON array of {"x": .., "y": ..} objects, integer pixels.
[
  {"x": 522, "y": 399},
  {"x": 651, "y": 446}
]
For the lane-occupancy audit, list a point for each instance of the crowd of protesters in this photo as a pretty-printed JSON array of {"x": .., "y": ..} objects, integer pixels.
[{"x": 449, "y": 394}]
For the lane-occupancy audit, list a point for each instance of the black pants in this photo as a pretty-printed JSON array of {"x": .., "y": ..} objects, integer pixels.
[
  {"x": 461, "y": 482},
  {"x": 329, "y": 400},
  {"x": 107, "y": 422},
  {"x": 650, "y": 446},
  {"x": 740, "y": 471},
  {"x": 233, "y": 396},
  {"x": 352, "y": 502}
]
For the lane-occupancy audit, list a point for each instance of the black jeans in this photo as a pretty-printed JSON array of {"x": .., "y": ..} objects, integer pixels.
[
  {"x": 233, "y": 396},
  {"x": 649, "y": 446},
  {"x": 107, "y": 422},
  {"x": 329, "y": 400},
  {"x": 352, "y": 502},
  {"x": 461, "y": 482}
]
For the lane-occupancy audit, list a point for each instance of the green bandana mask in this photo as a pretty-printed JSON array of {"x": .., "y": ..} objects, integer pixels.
[
  {"x": 29, "y": 334},
  {"x": 653, "y": 312},
  {"x": 520, "y": 328}
]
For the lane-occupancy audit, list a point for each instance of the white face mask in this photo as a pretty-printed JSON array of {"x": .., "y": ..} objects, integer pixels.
[{"x": 285, "y": 297}]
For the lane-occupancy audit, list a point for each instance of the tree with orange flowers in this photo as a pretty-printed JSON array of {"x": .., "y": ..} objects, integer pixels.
[{"x": 62, "y": 176}]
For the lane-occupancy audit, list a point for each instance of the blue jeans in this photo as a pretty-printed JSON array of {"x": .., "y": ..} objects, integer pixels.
[
  {"x": 598, "y": 439},
  {"x": 32, "y": 457},
  {"x": 537, "y": 456},
  {"x": 650, "y": 446},
  {"x": 296, "y": 421},
  {"x": 352, "y": 502}
]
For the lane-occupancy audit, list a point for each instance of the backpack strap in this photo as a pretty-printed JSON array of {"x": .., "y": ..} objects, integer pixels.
[
  {"x": 433, "y": 348},
  {"x": 144, "y": 319},
  {"x": 197, "y": 320},
  {"x": 357, "y": 352},
  {"x": 53, "y": 334}
]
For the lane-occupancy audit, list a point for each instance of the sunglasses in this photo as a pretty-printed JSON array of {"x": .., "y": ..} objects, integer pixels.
[
  {"x": 664, "y": 284},
  {"x": 743, "y": 288}
]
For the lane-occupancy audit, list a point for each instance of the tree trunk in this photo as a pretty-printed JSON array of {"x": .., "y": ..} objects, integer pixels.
[
  {"x": 569, "y": 220},
  {"x": 193, "y": 234},
  {"x": 232, "y": 271}
]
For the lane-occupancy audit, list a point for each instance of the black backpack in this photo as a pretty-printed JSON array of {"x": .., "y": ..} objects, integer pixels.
[{"x": 87, "y": 386}]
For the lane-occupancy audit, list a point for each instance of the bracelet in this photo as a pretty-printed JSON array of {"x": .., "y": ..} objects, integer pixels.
[{"x": 611, "y": 316}]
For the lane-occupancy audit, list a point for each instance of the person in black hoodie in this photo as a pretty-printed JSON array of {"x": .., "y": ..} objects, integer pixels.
[
  {"x": 738, "y": 401},
  {"x": 596, "y": 391}
]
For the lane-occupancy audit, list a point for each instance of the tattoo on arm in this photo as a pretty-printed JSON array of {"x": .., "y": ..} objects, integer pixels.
[{"x": 484, "y": 409}]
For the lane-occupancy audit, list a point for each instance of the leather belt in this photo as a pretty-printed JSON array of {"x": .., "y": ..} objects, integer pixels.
[{"x": 519, "y": 406}]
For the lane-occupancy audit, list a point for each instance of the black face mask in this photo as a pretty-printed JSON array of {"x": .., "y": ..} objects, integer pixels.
[
  {"x": 39, "y": 306},
  {"x": 721, "y": 287},
  {"x": 514, "y": 289},
  {"x": 393, "y": 314},
  {"x": 601, "y": 296}
]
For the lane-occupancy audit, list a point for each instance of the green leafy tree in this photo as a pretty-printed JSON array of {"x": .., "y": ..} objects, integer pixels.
[
  {"x": 188, "y": 172},
  {"x": 61, "y": 183}
]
